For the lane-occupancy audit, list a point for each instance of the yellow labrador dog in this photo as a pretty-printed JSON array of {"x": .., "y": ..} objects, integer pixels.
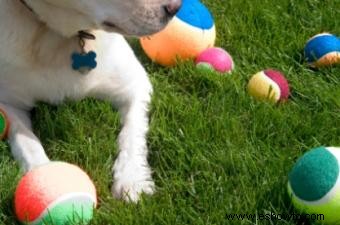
[{"x": 51, "y": 50}]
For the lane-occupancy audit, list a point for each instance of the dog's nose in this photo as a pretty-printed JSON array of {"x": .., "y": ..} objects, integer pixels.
[{"x": 172, "y": 8}]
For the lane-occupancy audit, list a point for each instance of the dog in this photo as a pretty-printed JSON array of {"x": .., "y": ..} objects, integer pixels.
[{"x": 38, "y": 41}]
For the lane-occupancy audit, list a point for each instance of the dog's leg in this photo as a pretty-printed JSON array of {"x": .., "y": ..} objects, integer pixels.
[
  {"x": 128, "y": 87},
  {"x": 132, "y": 174},
  {"x": 25, "y": 146}
]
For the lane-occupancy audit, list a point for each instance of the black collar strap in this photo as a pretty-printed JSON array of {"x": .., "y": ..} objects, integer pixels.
[{"x": 26, "y": 5}]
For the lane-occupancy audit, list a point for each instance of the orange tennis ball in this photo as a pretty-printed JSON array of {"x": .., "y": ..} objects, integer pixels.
[
  {"x": 190, "y": 32},
  {"x": 56, "y": 193}
]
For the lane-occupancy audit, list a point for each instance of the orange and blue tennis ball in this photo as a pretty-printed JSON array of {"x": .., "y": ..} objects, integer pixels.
[
  {"x": 314, "y": 184},
  {"x": 216, "y": 59},
  {"x": 4, "y": 125},
  {"x": 56, "y": 193},
  {"x": 269, "y": 85},
  {"x": 323, "y": 50},
  {"x": 190, "y": 32}
]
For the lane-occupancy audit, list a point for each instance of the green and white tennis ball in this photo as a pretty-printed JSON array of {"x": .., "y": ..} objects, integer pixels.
[
  {"x": 57, "y": 193},
  {"x": 314, "y": 183}
]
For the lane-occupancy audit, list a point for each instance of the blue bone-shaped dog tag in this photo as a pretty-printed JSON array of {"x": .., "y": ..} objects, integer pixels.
[{"x": 84, "y": 62}]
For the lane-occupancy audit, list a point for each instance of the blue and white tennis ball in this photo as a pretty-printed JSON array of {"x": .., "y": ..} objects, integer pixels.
[
  {"x": 314, "y": 183},
  {"x": 323, "y": 50},
  {"x": 189, "y": 33}
]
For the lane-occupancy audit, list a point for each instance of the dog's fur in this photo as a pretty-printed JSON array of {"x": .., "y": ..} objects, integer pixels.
[{"x": 35, "y": 65}]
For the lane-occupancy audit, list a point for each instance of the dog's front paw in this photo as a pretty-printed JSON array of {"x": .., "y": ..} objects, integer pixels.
[{"x": 131, "y": 179}]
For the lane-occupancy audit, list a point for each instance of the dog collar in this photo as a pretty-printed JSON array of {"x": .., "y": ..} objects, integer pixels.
[
  {"x": 82, "y": 61},
  {"x": 26, "y": 5}
]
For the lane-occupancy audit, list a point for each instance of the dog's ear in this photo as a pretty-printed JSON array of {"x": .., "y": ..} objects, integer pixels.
[{"x": 66, "y": 17}]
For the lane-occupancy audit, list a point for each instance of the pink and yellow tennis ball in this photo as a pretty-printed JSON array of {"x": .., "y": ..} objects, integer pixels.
[
  {"x": 56, "y": 193},
  {"x": 269, "y": 85},
  {"x": 190, "y": 32},
  {"x": 216, "y": 59}
]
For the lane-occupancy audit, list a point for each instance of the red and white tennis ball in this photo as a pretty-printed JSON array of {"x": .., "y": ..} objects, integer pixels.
[
  {"x": 216, "y": 59},
  {"x": 56, "y": 193},
  {"x": 269, "y": 85}
]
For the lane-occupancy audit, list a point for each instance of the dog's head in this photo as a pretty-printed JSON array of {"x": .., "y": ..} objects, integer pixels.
[{"x": 128, "y": 17}]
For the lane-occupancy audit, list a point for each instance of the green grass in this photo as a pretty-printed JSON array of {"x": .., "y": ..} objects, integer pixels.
[{"x": 214, "y": 149}]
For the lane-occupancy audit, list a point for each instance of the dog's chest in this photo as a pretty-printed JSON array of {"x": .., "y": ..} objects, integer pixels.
[{"x": 53, "y": 78}]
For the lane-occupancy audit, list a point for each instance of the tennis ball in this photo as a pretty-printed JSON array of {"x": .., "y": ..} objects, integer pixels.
[
  {"x": 4, "y": 125},
  {"x": 56, "y": 193},
  {"x": 190, "y": 32},
  {"x": 216, "y": 59},
  {"x": 269, "y": 85},
  {"x": 323, "y": 50},
  {"x": 314, "y": 182}
]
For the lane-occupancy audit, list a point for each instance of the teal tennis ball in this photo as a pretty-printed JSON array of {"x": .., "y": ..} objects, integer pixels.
[
  {"x": 314, "y": 183},
  {"x": 56, "y": 193},
  {"x": 323, "y": 50}
]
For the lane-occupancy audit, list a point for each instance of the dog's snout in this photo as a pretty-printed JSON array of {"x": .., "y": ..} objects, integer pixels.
[{"x": 172, "y": 8}]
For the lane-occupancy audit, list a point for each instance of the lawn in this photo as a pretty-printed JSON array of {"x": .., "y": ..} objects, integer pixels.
[{"x": 214, "y": 150}]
